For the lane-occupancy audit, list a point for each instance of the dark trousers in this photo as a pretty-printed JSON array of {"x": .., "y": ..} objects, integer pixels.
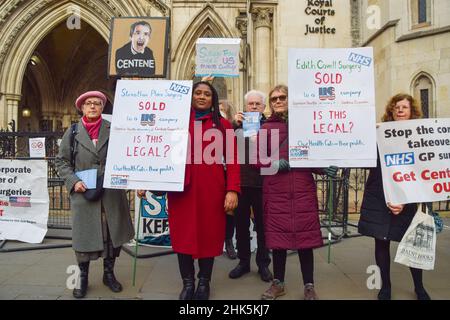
[
  {"x": 250, "y": 198},
  {"x": 383, "y": 259},
  {"x": 306, "y": 257},
  {"x": 229, "y": 229},
  {"x": 187, "y": 269}
]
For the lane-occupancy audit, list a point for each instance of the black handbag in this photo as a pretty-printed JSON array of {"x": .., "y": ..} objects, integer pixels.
[{"x": 95, "y": 194}]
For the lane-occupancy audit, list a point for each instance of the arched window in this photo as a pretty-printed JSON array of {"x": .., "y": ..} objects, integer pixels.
[
  {"x": 423, "y": 92},
  {"x": 420, "y": 13}
]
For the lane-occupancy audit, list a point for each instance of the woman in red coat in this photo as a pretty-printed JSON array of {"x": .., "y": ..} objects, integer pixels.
[
  {"x": 197, "y": 215},
  {"x": 291, "y": 215}
]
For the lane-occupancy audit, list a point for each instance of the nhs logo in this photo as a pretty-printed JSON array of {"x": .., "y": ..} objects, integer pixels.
[
  {"x": 399, "y": 159},
  {"x": 179, "y": 88},
  {"x": 360, "y": 59}
]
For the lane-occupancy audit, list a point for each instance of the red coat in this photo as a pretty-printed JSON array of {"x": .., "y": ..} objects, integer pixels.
[
  {"x": 291, "y": 216},
  {"x": 196, "y": 215}
]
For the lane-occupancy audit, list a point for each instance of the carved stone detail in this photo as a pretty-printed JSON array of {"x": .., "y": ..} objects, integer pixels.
[
  {"x": 262, "y": 17},
  {"x": 7, "y": 44},
  {"x": 161, "y": 7},
  {"x": 242, "y": 23}
]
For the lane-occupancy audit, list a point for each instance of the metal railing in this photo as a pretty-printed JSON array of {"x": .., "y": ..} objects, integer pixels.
[{"x": 348, "y": 187}]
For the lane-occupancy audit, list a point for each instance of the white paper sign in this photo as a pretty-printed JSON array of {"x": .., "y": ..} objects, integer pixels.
[
  {"x": 415, "y": 160},
  {"x": 37, "y": 147},
  {"x": 149, "y": 135},
  {"x": 331, "y": 108},
  {"x": 217, "y": 57},
  {"x": 24, "y": 200}
]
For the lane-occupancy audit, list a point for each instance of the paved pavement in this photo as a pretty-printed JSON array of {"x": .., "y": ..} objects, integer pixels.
[{"x": 42, "y": 274}]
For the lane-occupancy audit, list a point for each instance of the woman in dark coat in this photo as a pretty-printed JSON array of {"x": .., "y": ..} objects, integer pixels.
[
  {"x": 100, "y": 227},
  {"x": 197, "y": 215},
  {"x": 291, "y": 216},
  {"x": 388, "y": 222}
]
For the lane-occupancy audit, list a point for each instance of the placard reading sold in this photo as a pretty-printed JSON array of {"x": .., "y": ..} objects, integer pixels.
[
  {"x": 415, "y": 160},
  {"x": 149, "y": 134},
  {"x": 331, "y": 108}
]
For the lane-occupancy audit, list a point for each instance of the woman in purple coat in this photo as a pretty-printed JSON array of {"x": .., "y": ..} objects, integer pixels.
[{"x": 291, "y": 217}]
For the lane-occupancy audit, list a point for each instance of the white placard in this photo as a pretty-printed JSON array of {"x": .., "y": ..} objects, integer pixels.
[
  {"x": 149, "y": 135},
  {"x": 217, "y": 57},
  {"x": 24, "y": 200},
  {"x": 37, "y": 147},
  {"x": 331, "y": 108},
  {"x": 415, "y": 160}
]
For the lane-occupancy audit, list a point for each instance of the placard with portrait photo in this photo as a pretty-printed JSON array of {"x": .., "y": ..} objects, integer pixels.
[{"x": 138, "y": 47}]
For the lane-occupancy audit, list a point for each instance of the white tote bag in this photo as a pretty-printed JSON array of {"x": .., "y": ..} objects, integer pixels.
[{"x": 418, "y": 246}]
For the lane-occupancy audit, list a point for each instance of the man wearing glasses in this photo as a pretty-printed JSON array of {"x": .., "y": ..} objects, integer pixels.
[
  {"x": 135, "y": 58},
  {"x": 250, "y": 199}
]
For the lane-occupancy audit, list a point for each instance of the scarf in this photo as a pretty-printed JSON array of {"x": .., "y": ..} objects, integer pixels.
[
  {"x": 93, "y": 128},
  {"x": 282, "y": 115},
  {"x": 199, "y": 114}
]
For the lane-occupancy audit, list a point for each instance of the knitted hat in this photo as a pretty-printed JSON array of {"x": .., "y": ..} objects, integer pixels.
[{"x": 90, "y": 94}]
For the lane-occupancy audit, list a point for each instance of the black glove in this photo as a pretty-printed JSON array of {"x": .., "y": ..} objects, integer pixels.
[
  {"x": 281, "y": 165},
  {"x": 331, "y": 171}
]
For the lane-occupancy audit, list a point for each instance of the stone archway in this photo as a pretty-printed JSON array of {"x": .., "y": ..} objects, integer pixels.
[
  {"x": 64, "y": 64},
  {"x": 25, "y": 24},
  {"x": 30, "y": 26},
  {"x": 206, "y": 23}
]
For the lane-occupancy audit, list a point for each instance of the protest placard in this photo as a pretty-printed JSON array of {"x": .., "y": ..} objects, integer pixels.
[
  {"x": 415, "y": 160},
  {"x": 138, "y": 47},
  {"x": 24, "y": 200},
  {"x": 154, "y": 225},
  {"x": 331, "y": 108},
  {"x": 217, "y": 57},
  {"x": 149, "y": 135}
]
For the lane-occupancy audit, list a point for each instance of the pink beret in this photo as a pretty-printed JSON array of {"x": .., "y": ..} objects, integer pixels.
[{"x": 96, "y": 94}]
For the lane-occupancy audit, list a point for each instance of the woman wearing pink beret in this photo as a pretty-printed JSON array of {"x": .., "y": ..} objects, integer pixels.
[{"x": 101, "y": 221}]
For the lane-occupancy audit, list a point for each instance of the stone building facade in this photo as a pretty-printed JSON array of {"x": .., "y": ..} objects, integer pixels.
[{"x": 411, "y": 41}]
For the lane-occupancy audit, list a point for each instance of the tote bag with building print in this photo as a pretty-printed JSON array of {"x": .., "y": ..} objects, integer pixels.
[{"x": 418, "y": 246}]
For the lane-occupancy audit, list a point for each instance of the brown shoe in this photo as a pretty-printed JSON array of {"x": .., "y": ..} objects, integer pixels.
[
  {"x": 310, "y": 293},
  {"x": 276, "y": 290}
]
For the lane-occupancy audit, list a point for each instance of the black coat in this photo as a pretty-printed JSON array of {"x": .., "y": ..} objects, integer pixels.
[
  {"x": 376, "y": 219},
  {"x": 138, "y": 64}
]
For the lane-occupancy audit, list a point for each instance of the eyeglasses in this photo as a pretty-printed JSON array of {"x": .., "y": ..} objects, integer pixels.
[
  {"x": 398, "y": 108},
  {"x": 257, "y": 104},
  {"x": 282, "y": 98},
  {"x": 95, "y": 103}
]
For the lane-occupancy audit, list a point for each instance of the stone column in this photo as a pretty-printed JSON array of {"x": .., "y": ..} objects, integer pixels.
[
  {"x": 262, "y": 22},
  {"x": 12, "y": 111}
]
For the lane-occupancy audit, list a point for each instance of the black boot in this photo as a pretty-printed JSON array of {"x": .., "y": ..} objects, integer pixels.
[
  {"x": 202, "y": 292},
  {"x": 422, "y": 294},
  {"x": 80, "y": 291},
  {"x": 188, "y": 289},
  {"x": 108, "y": 275}
]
